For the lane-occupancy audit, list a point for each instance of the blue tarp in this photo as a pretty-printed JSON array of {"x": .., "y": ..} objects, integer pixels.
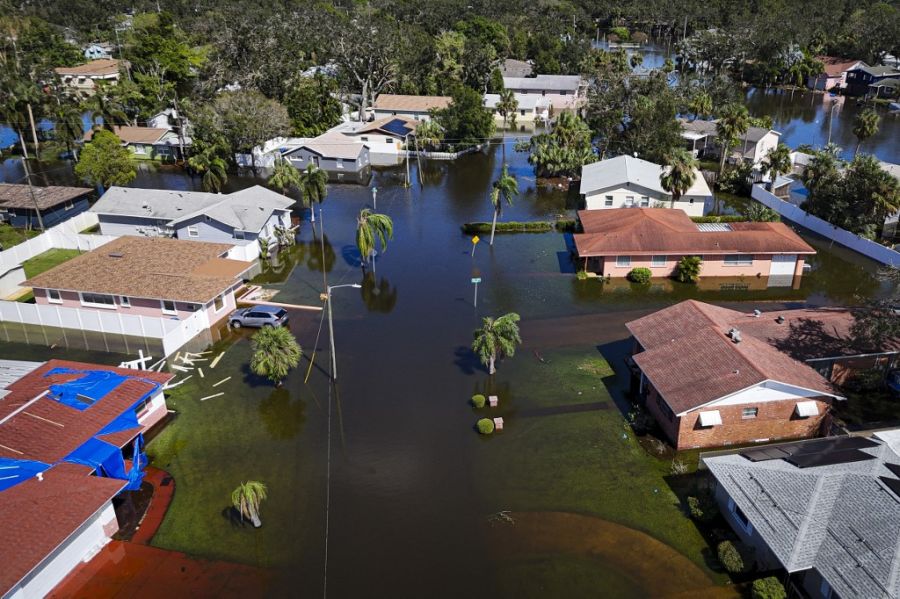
[
  {"x": 104, "y": 457},
  {"x": 92, "y": 386},
  {"x": 138, "y": 462},
  {"x": 13, "y": 472},
  {"x": 121, "y": 423}
]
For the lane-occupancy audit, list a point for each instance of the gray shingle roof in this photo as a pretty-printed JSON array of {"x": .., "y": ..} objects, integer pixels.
[
  {"x": 246, "y": 210},
  {"x": 544, "y": 82},
  {"x": 622, "y": 170},
  {"x": 839, "y": 519}
]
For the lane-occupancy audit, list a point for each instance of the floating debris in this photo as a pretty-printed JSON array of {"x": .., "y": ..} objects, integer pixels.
[
  {"x": 227, "y": 378},
  {"x": 172, "y": 385},
  {"x": 212, "y": 396},
  {"x": 181, "y": 368},
  {"x": 501, "y": 517},
  {"x": 216, "y": 360},
  {"x": 200, "y": 372}
]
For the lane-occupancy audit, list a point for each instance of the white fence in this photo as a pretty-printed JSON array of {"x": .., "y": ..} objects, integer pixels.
[
  {"x": 856, "y": 243},
  {"x": 440, "y": 155},
  {"x": 172, "y": 332},
  {"x": 64, "y": 236}
]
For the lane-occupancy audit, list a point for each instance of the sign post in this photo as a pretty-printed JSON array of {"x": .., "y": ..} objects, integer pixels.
[
  {"x": 475, "y": 281},
  {"x": 374, "y": 198},
  {"x": 475, "y": 240}
]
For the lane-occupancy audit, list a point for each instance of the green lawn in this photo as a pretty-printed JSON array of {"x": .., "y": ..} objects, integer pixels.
[
  {"x": 10, "y": 236},
  {"x": 47, "y": 260}
]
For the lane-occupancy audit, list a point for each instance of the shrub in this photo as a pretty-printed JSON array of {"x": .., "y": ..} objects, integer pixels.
[
  {"x": 730, "y": 557},
  {"x": 485, "y": 426},
  {"x": 768, "y": 588},
  {"x": 478, "y": 400},
  {"x": 538, "y": 226},
  {"x": 688, "y": 269},
  {"x": 622, "y": 34},
  {"x": 702, "y": 508},
  {"x": 566, "y": 225},
  {"x": 581, "y": 275},
  {"x": 640, "y": 275}
]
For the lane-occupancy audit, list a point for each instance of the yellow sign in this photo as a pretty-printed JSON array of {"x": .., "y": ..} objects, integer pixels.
[{"x": 475, "y": 239}]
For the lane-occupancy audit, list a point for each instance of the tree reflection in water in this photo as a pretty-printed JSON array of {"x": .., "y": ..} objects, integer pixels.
[{"x": 378, "y": 296}]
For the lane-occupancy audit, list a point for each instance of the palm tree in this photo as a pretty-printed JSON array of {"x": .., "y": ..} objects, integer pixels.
[
  {"x": 285, "y": 176},
  {"x": 504, "y": 189},
  {"x": 865, "y": 125},
  {"x": 732, "y": 124},
  {"x": 246, "y": 499},
  {"x": 67, "y": 126},
  {"x": 103, "y": 107},
  {"x": 275, "y": 352},
  {"x": 777, "y": 161},
  {"x": 313, "y": 186},
  {"x": 496, "y": 338},
  {"x": 759, "y": 213},
  {"x": 429, "y": 134},
  {"x": 507, "y": 107},
  {"x": 700, "y": 106},
  {"x": 679, "y": 174},
  {"x": 212, "y": 166},
  {"x": 372, "y": 227}
]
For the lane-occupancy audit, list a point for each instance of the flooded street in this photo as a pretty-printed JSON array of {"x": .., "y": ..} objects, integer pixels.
[{"x": 383, "y": 473}]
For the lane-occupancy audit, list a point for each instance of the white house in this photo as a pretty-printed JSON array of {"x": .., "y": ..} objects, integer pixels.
[
  {"x": 531, "y": 108},
  {"x": 628, "y": 182},
  {"x": 700, "y": 137},
  {"x": 414, "y": 107},
  {"x": 565, "y": 92}
]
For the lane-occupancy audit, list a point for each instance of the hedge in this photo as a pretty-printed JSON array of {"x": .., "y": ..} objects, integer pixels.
[
  {"x": 478, "y": 400},
  {"x": 485, "y": 426},
  {"x": 722, "y": 218},
  {"x": 768, "y": 588},
  {"x": 730, "y": 557},
  {"x": 536, "y": 226}
]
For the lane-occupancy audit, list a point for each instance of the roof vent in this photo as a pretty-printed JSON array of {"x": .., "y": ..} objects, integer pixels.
[
  {"x": 734, "y": 335},
  {"x": 757, "y": 313},
  {"x": 779, "y": 319},
  {"x": 116, "y": 255}
]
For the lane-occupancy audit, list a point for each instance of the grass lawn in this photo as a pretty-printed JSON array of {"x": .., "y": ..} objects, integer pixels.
[
  {"x": 567, "y": 447},
  {"x": 10, "y": 236},
  {"x": 47, "y": 260}
]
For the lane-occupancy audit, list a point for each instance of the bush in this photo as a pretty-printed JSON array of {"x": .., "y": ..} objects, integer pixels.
[
  {"x": 581, "y": 275},
  {"x": 768, "y": 588},
  {"x": 538, "y": 226},
  {"x": 688, "y": 269},
  {"x": 485, "y": 426},
  {"x": 730, "y": 557},
  {"x": 702, "y": 508},
  {"x": 567, "y": 225},
  {"x": 622, "y": 34},
  {"x": 640, "y": 275},
  {"x": 478, "y": 400}
]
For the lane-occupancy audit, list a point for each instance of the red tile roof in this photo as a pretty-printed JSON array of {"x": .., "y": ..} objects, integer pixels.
[
  {"x": 48, "y": 430},
  {"x": 690, "y": 360},
  {"x": 39, "y": 515},
  {"x": 649, "y": 231}
]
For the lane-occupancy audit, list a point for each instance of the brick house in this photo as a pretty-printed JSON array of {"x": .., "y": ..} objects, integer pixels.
[
  {"x": 708, "y": 381},
  {"x": 617, "y": 240}
]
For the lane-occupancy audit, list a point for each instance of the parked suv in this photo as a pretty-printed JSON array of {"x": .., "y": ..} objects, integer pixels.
[{"x": 258, "y": 316}]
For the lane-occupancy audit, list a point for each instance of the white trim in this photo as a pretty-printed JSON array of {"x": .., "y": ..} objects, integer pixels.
[
  {"x": 653, "y": 261},
  {"x": 111, "y": 306},
  {"x": 124, "y": 301},
  {"x": 162, "y": 307},
  {"x": 710, "y": 418},
  {"x": 720, "y": 400},
  {"x": 58, "y": 299},
  {"x": 193, "y": 231},
  {"x": 221, "y": 296},
  {"x": 619, "y": 265},
  {"x": 806, "y": 409}
]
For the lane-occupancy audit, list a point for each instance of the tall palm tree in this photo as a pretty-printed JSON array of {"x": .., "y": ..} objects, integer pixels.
[
  {"x": 275, "y": 353},
  {"x": 212, "y": 166},
  {"x": 777, "y": 161},
  {"x": 700, "y": 106},
  {"x": 285, "y": 176},
  {"x": 865, "y": 125},
  {"x": 372, "y": 227},
  {"x": 247, "y": 498},
  {"x": 67, "y": 126},
  {"x": 496, "y": 338},
  {"x": 314, "y": 187},
  {"x": 679, "y": 174},
  {"x": 507, "y": 107},
  {"x": 101, "y": 106},
  {"x": 732, "y": 124},
  {"x": 504, "y": 189}
]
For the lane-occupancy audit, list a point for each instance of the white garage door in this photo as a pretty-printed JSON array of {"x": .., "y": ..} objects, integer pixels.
[{"x": 783, "y": 264}]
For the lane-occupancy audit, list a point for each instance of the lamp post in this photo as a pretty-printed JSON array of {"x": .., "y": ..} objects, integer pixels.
[
  {"x": 374, "y": 198},
  {"x": 328, "y": 291}
]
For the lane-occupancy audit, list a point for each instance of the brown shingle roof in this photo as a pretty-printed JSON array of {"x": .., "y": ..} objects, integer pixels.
[
  {"x": 834, "y": 66},
  {"x": 134, "y": 135},
  {"x": 18, "y": 196},
  {"x": 649, "y": 231},
  {"x": 149, "y": 267},
  {"x": 34, "y": 436},
  {"x": 411, "y": 103},
  {"x": 39, "y": 515},
  {"x": 97, "y": 68},
  {"x": 690, "y": 360}
]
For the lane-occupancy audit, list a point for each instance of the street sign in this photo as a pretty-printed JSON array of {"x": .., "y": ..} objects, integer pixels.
[
  {"x": 475, "y": 239},
  {"x": 476, "y": 280}
]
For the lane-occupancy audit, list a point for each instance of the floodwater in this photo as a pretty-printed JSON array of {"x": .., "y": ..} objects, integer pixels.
[{"x": 379, "y": 485}]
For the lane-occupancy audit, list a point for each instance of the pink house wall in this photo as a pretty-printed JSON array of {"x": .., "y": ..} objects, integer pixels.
[{"x": 713, "y": 266}]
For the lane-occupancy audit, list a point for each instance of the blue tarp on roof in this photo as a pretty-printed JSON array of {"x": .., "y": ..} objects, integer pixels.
[
  {"x": 83, "y": 392},
  {"x": 122, "y": 423},
  {"x": 13, "y": 472},
  {"x": 103, "y": 457}
]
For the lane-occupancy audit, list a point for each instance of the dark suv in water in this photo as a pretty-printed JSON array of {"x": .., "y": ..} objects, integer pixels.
[{"x": 258, "y": 316}]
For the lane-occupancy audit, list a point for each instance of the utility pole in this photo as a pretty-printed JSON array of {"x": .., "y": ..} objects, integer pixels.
[
  {"x": 37, "y": 208},
  {"x": 328, "y": 291}
]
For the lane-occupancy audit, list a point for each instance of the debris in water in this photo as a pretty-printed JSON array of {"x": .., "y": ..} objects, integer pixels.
[
  {"x": 501, "y": 517},
  {"x": 227, "y": 378},
  {"x": 212, "y": 396}
]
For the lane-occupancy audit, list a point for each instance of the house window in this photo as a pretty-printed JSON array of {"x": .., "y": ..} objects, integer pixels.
[
  {"x": 825, "y": 589},
  {"x": 657, "y": 261},
  {"x": 364, "y": 138},
  {"x": 749, "y": 413},
  {"x": 124, "y": 302},
  {"x": 98, "y": 300},
  {"x": 219, "y": 303},
  {"x": 629, "y": 201},
  {"x": 193, "y": 231},
  {"x": 645, "y": 202},
  {"x": 238, "y": 234},
  {"x": 608, "y": 201},
  {"x": 340, "y": 163},
  {"x": 739, "y": 516},
  {"x": 53, "y": 296},
  {"x": 623, "y": 261},
  {"x": 168, "y": 307},
  {"x": 523, "y": 112},
  {"x": 69, "y": 205},
  {"x": 739, "y": 260}
]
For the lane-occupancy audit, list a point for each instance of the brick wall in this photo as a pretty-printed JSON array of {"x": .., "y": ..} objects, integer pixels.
[
  {"x": 668, "y": 425},
  {"x": 775, "y": 420}
]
